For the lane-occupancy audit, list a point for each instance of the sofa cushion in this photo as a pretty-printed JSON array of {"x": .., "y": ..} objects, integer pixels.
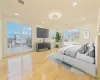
[{"x": 85, "y": 58}]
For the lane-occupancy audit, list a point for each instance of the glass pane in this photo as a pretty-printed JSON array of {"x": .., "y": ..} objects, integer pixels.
[
  {"x": 14, "y": 38},
  {"x": 72, "y": 35},
  {"x": 53, "y": 34},
  {"x": 26, "y": 37}
]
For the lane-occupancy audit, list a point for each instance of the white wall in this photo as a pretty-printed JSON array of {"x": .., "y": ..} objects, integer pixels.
[
  {"x": 92, "y": 27},
  {"x": 1, "y": 33}
]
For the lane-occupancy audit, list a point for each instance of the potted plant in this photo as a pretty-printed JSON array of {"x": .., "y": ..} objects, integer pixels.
[{"x": 57, "y": 39}]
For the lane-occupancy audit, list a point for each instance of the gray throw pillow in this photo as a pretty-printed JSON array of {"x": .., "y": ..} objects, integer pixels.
[
  {"x": 92, "y": 53},
  {"x": 83, "y": 49}
]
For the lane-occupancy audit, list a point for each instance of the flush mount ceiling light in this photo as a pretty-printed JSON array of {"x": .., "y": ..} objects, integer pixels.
[
  {"x": 75, "y": 4},
  {"x": 55, "y": 15}
]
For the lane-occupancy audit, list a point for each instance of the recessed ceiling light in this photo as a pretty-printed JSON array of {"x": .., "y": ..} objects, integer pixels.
[
  {"x": 75, "y": 4},
  {"x": 42, "y": 22},
  {"x": 83, "y": 19},
  {"x": 16, "y": 14}
]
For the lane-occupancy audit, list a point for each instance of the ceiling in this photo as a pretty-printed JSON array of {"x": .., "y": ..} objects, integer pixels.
[{"x": 37, "y": 11}]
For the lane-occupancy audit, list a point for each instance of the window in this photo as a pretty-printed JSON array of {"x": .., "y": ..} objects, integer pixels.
[
  {"x": 72, "y": 35},
  {"x": 19, "y": 37},
  {"x": 53, "y": 34}
]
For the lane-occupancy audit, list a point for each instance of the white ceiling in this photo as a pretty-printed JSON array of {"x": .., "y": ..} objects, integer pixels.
[{"x": 37, "y": 11}]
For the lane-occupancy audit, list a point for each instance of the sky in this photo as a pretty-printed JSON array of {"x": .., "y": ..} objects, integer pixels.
[
  {"x": 66, "y": 32},
  {"x": 15, "y": 28},
  {"x": 70, "y": 32},
  {"x": 53, "y": 33}
]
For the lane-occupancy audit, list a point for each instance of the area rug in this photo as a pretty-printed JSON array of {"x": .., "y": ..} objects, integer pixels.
[{"x": 67, "y": 66}]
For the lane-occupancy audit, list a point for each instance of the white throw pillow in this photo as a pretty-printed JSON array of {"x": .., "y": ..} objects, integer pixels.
[
  {"x": 91, "y": 50},
  {"x": 84, "y": 57},
  {"x": 90, "y": 46}
]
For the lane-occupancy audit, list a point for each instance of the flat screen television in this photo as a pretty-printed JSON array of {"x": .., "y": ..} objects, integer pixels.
[{"x": 42, "y": 33}]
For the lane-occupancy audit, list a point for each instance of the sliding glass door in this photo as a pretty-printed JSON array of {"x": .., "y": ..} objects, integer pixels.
[
  {"x": 19, "y": 37},
  {"x": 26, "y": 37},
  {"x": 14, "y": 37}
]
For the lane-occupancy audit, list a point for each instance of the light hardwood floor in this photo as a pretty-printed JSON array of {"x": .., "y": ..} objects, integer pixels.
[{"x": 36, "y": 66}]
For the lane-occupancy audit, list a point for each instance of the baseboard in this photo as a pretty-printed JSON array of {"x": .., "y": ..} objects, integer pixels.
[{"x": 0, "y": 59}]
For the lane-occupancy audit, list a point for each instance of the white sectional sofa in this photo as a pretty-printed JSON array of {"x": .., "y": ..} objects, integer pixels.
[{"x": 79, "y": 64}]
